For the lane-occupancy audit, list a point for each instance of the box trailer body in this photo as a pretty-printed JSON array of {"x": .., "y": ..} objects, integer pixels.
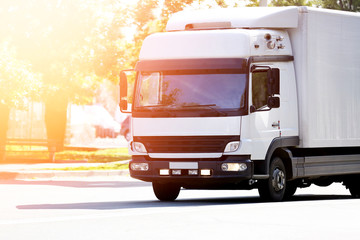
[
  {"x": 327, "y": 66},
  {"x": 248, "y": 98}
]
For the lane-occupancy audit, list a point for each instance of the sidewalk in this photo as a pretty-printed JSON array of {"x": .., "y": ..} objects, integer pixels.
[{"x": 39, "y": 171}]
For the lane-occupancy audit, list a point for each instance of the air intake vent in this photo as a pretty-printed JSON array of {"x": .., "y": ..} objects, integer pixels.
[
  {"x": 188, "y": 144},
  {"x": 208, "y": 25}
]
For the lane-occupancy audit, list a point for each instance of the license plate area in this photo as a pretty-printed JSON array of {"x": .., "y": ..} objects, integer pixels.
[{"x": 184, "y": 165}]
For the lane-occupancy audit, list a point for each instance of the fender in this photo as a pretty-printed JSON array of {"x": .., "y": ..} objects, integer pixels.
[{"x": 279, "y": 142}]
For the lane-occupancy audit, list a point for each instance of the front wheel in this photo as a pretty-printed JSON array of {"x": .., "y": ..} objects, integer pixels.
[
  {"x": 290, "y": 189},
  {"x": 166, "y": 191},
  {"x": 274, "y": 188}
]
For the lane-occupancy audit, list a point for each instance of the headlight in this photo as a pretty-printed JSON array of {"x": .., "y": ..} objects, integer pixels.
[
  {"x": 139, "y": 147},
  {"x": 233, "y": 167},
  {"x": 139, "y": 166},
  {"x": 232, "y": 146}
]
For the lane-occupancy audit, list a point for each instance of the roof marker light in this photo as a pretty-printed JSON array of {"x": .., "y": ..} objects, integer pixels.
[
  {"x": 267, "y": 36},
  {"x": 279, "y": 38}
]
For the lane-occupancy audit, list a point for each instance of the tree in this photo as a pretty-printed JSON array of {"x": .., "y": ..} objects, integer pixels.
[
  {"x": 253, "y": 3},
  {"x": 222, "y": 3},
  {"x": 172, "y": 6},
  {"x": 146, "y": 22},
  {"x": 48, "y": 34},
  {"x": 345, "y": 5},
  {"x": 18, "y": 84},
  {"x": 70, "y": 43},
  {"x": 278, "y": 3}
]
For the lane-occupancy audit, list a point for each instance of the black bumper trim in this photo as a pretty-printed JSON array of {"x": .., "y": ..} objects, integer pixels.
[{"x": 218, "y": 178}]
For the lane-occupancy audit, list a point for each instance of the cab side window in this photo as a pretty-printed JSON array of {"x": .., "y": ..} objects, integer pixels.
[{"x": 259, "y": 89}]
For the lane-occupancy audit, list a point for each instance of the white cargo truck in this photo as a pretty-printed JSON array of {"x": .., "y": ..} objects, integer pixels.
[{"x": 245, "y": 98}]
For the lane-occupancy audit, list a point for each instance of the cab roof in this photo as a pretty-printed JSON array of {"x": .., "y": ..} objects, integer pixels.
[{"x": 244, "y": 17}]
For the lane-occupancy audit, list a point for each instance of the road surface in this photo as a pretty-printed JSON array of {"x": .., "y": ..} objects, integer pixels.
[{"x": 121, "y": 208}]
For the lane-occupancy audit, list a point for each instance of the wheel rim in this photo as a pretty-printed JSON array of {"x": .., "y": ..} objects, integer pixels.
[{"x": 278, "y": 180}]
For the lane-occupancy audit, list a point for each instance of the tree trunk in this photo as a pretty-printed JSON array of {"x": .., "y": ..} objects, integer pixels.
[
  {"x": 55, "y": 121},
  {"x": 4, "y": 120}
]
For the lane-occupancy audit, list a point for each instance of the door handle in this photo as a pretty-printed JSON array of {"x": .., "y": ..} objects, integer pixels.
[{"x": 276, "y": 124}]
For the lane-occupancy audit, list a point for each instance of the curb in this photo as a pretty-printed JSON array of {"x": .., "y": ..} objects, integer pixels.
[{"x": 17, "y": 175}]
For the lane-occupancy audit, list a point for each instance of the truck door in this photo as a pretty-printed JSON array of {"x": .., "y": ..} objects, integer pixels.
[{"x": 264, "y": 108}]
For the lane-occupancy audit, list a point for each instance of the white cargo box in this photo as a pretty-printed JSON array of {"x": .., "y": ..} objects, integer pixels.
[{"x": 326, "y": 47}]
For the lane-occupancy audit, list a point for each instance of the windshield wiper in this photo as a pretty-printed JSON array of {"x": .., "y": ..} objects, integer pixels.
[{"x": 209, "y": 106}]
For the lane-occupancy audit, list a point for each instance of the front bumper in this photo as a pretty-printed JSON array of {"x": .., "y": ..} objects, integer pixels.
[{"x": 218, "y": 179}]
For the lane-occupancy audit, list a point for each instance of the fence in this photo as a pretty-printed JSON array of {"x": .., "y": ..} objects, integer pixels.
[
  {"x": 27, "y": 124},
  {"x": 87, "y": 126}
]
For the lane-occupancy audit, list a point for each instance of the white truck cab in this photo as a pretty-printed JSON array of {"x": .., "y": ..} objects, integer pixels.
[{"x": 221, "y": 102}]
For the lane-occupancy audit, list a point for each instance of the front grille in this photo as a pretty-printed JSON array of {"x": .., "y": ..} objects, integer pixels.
[{"x": 188, "y": 144}]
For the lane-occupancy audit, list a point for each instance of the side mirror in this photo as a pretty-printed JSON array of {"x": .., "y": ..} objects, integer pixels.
[
  {"x": 123, "y": 91},
  {"x": 273, "y": 102}
]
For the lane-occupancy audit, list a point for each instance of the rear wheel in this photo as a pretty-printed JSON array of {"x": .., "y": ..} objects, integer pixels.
[
  {"x": 166, "y": 191},
  {"x": 274, "y": 188},
  {"x": 353, "y": 184},
  {"x": 355, "y": 191}
]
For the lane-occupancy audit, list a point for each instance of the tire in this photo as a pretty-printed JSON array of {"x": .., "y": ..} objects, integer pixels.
[
  {"x": 290, "y": 189},
  {"x": 354, "y": 191},
  {"x": 353, "y": 184},
  {"x": 274, "y": 188},
  {"x": 166, "y": 191}
]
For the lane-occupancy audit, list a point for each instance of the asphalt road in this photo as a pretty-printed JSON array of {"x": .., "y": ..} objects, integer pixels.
[{"x": 120, "y": 208}]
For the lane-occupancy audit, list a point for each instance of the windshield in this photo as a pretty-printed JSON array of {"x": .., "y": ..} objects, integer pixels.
[{"x": 218, "y": 91}]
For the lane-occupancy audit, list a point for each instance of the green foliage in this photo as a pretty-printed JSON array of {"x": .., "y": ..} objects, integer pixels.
[
  {"x": 73, "y": 44},
  {"x": 100, "y": 156},
  {"x": 222, "y": 3},
  {"x": 253, "y": 3},
  {"x": 345, "y": 5},
  {"x": 147, "y": 22},
  {"x": 278, "y": 3},
  {"x": 95, "y": 156},
  {"x": 173, "y": 6},
  {"x": 18, "y": 83},
  {"x": 102, "y": 167},
  {"x": 108, "y": 48}
]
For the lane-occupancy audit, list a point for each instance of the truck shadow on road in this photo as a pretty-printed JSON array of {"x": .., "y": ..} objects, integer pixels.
[
  {"x": 79, "y": 184},
  {"x": 181, "y": 202},
  {"x": 118, "y": 205}
]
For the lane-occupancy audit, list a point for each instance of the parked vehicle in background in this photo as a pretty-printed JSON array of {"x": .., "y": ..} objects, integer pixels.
[
  {"x": 245, "y": 98},
  {"x": 104, "y": 123},
  {"x": 95, "y": 116},
  {"x": 125, "y": 128}
]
